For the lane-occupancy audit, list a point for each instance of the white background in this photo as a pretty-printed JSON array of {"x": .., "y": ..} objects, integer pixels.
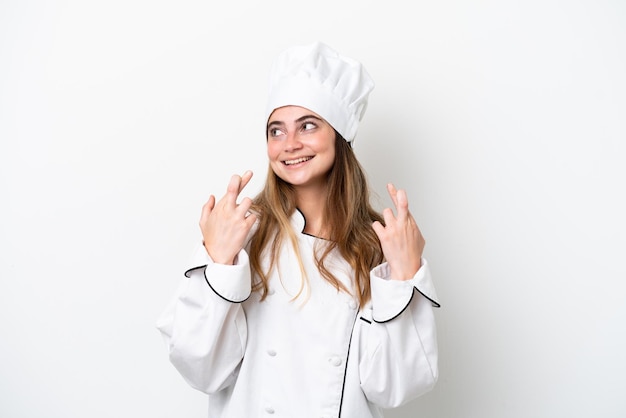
[{"x": 504, "y": 120}]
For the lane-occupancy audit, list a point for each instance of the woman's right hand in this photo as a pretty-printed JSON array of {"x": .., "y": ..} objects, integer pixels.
[{"x": 226, "y": 224}]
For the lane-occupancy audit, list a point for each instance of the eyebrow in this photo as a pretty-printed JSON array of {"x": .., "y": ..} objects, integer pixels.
[{"x": 299, "y": 120}]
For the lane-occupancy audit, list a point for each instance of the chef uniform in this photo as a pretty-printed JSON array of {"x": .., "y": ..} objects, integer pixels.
[{"x": 307, "y": 351}]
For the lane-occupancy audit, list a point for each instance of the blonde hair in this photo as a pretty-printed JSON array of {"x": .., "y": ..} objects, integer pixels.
[{"x": 348, "y": 215}]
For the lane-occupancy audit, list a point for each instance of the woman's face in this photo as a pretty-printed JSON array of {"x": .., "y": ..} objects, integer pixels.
[{"x": 300, "y": 146}]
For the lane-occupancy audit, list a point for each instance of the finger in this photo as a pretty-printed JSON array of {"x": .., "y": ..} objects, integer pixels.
[
  {"x": 207, "y": 208},
  {"x": 245, "y": 178},
  {"x": 391, "y": 189},
  {"x": 402, "y": 206},
  {"x": 232, "y": 190},
  {"x": 209, "y": 205},
  {"x": 250, "y": 220},
  {"x": 379, "y": 229},
  {"x": 244, "y": 206},
  {"x": 388, "y": 216}
]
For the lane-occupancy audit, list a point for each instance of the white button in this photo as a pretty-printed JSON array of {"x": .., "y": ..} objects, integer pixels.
[
  {"x": 335, "y": 361},
  {"x": 352, "y": 304},
  {"x": 271, "y": 292},
  {"x": 269, "y": 409},
  {"x": 271, "y": 352}
]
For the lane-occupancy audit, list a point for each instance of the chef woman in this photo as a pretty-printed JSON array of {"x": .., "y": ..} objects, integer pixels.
[{"x": 304, "y": 301}]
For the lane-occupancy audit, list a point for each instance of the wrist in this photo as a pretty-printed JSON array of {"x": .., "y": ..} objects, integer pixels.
[{"x": 217, "y": 257}]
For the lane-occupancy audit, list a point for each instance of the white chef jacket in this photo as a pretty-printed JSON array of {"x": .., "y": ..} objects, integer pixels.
[{"x": 318, "y": 355}]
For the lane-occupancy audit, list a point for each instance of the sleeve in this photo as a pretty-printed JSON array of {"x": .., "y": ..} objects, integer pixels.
[
  {"x": 398, "y": 355},
  {"x": 204, "y": 325}
]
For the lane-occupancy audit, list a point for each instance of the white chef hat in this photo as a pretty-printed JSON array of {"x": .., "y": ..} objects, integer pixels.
[{"x": 316, "y": 77}]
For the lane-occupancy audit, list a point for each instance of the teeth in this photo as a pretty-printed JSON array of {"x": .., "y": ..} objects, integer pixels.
[{"x": 299, "y": 160}]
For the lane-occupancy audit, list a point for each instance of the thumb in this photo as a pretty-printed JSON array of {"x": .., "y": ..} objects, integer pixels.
[
  {"x": 379, "y": 229},
  {"x": 250, "y": 220}
]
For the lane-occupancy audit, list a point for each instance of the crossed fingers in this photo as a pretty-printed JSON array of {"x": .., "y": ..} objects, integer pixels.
[
  {"x": 400, "y": 238},
  {"x": 225, "y": 223}
]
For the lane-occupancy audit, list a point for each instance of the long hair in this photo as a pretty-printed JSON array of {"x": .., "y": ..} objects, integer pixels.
[{"x": 348, "y": 216}]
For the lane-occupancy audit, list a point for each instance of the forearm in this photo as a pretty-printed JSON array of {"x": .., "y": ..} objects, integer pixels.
[
  {"x": 204, "y": 331},
  {"x": 398, "y": 349}
]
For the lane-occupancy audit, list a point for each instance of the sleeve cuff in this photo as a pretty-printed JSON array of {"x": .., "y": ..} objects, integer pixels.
[
  {"x": 391, "y": 297},
  {"x": 230, "y": 282}
]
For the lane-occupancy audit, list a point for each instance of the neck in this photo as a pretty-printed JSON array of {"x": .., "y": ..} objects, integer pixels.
[{"x": 312, "y": 204}]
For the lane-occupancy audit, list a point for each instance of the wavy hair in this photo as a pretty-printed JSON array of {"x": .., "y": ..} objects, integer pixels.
[{"x": 348, "y": 215}]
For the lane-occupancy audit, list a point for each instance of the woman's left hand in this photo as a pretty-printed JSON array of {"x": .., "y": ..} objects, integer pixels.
[{"x": 400, "y": 238}]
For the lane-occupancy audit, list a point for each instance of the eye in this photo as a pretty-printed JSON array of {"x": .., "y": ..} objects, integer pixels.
[
  {"x": 307, "y": 126},
  {"x": 275, "y": 132}
]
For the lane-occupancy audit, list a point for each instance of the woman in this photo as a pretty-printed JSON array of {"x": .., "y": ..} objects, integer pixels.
[{"x": 305, "y": 302}]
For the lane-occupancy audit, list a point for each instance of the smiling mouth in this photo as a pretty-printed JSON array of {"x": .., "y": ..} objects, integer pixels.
[{"x": 297, "y": 161}]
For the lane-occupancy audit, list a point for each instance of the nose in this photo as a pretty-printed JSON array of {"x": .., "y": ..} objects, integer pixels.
[{"x": 292, "y": 142}]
